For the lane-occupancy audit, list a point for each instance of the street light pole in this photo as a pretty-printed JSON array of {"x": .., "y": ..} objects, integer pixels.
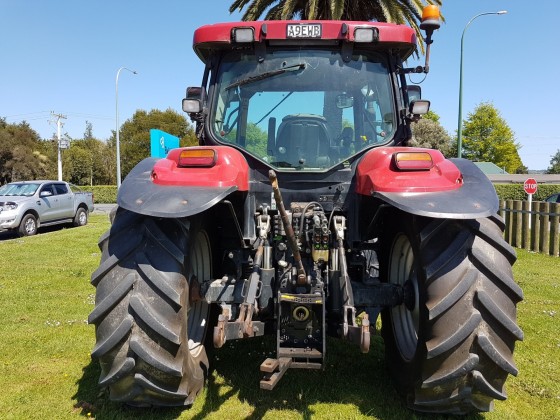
[
  {"x": 460, "y": 122},
  {"x": 117, "y": 124}
]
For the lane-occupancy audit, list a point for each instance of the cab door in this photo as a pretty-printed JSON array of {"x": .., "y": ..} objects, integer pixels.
[
  {"x": 47, "y": 203},
  {"x": 65, "y": 201}
]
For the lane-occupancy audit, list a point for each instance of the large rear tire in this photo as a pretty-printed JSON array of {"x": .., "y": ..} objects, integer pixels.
[
  {"x": 149, "y": 335},
  {"x": 450, "y": 346}
]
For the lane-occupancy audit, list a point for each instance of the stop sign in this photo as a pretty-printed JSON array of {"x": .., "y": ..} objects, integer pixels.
[{"x": 530, "y": 186}]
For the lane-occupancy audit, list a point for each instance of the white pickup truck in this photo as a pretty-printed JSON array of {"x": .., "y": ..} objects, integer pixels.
[{"x": 25, "y": 206}]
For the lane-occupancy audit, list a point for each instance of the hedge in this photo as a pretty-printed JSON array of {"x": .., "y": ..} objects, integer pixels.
[
  {"x": 102, "y": 194},
  {"x": 107, "y": 194},
  {"x": 515, "y": 191}
]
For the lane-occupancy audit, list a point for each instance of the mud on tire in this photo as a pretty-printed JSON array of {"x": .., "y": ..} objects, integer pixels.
[
  {"x": 149, "y": 337},
  {"x": 451, "y": 349}
]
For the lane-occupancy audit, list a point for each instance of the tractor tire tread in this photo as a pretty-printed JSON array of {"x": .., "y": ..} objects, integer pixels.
[
  {"x": 453, "y": 383},
  {"x": 140, "y": 313}
]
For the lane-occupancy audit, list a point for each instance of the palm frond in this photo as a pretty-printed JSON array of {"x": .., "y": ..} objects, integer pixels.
[
  {"x": 336, "y": 8},
  {"x": 312, "y": 12},
  {"x": 238, "y": 5},
  {"x": 274, "y": 13},
  {"x": 288, "y": 9},
  {"x": 257, "y": 9}
]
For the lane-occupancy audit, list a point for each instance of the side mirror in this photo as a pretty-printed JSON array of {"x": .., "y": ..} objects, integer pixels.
[
  {"x": 414, "y": 93},
  {"x": 45, "y": 193},
  {"x": 193, "y": 103},
  {"x": 419, "y": 107}
]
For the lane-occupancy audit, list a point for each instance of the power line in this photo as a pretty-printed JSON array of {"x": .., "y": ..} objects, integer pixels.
[
  {"x": 99, "y": 117},
  {"x": 28, "y": 113},
  {"x": 76, "y": 114}
]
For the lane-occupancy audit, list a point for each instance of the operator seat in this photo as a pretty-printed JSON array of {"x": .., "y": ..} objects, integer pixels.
[
  {"x": 303, "y": 139},
  {"x": 346, "y": 140}
]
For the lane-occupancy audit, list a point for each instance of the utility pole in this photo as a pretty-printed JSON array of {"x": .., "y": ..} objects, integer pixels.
[{"x": 59, "y": 125}]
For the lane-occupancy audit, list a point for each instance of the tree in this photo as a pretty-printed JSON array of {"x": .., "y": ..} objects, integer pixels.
[
  {"x": 77, "y": 166},
  {"x": 488, "y": 138},
  {"x": 135, "y": 134},
  {"x": 88, "y": 133},
  {"x": 429, "y": 133},
  {"x": 432, "y": 116},
  {"x": 395, "y": 11},
  {"x": 89, "y": 161},
  {"x": 554, "y": 167},
  {"x": 21, "y": 157}
]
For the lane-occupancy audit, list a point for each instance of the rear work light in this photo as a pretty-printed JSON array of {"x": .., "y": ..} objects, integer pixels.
[
  {"x": 413, "y": 161},
  {"x": 243, "y": 35},
  {"x": 366, "y": 35},
  {"x": 200, "y": 158}
]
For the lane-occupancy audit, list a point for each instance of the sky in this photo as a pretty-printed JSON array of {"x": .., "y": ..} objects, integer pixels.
[{"x": 63, "y": 56}]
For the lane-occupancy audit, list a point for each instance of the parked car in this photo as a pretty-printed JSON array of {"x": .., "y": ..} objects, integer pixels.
[
  {"x": 554, "y": 198},
  {"x": 26, "y": 206}
]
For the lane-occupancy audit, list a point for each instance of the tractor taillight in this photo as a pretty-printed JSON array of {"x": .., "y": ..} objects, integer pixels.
[
  {"x": 413, "y": 161},
  {"x": 197, "y": 158}
]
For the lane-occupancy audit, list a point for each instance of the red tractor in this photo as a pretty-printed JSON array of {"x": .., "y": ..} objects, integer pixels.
[{"x": 303, "y": 213}]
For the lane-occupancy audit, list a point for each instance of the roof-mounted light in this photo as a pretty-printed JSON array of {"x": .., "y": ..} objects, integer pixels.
[
  {"x": 430, "y": 18},
  {"x": 204, "y": 158},
  {"x": 369, "y": 34},
  {"x": 243, "y": 35},
  {"x": 413, "y": 161}
]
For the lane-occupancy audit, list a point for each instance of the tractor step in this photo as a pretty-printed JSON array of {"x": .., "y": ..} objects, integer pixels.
[{"x": 273, "y": 370}]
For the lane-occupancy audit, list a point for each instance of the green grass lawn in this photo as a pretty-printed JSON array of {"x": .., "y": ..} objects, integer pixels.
[{"x": 46, "y": 371}]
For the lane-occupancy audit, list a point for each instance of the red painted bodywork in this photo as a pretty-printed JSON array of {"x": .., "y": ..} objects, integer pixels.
[
  {"x": 231, "y": 169},
  {"x": 218, "y": 35},
  {"x": 376, "y": 172}
]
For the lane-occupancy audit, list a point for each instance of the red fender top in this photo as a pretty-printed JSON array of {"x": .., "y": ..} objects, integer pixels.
[
  {"x": 229, "y": 169},
  {"x": 377, "y": 172}
]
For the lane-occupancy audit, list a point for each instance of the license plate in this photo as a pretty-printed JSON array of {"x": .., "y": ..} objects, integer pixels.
[{"x": 304, "y": 30}]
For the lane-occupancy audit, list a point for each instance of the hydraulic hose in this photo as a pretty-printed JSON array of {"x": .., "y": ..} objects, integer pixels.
[{"x": 292, "y": 242}]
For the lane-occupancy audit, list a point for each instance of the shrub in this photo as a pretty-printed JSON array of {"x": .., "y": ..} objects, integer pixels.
[
  {"x": 102, "y": 194},
  {"x": 516, "y": 192}
]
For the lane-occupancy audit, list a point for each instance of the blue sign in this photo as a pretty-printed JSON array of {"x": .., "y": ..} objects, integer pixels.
[{"x": 161, "y": 143}]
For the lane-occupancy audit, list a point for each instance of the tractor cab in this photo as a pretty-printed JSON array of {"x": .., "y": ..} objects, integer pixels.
[{"x": 302, "y": 96}]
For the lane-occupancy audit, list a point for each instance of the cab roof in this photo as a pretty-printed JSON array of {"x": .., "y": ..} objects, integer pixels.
[{"x": 220, "y": 36}]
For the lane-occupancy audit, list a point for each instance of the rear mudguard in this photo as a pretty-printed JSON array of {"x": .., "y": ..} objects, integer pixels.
[
  {"x": 453, "y": 188},
  {"x": 159, "y": 188}
]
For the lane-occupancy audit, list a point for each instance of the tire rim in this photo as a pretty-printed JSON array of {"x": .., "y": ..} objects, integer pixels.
[
  {"x": 405, "y": 322},
  {"x": 197, "y": 314},
  {"x": 82, "y": 218},
  {"x": 30, "y": 226}
]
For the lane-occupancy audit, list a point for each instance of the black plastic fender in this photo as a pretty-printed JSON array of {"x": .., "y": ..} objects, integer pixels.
[
  {"x": 139, "y": 194},
  {"x": 476, "y": 197}
]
